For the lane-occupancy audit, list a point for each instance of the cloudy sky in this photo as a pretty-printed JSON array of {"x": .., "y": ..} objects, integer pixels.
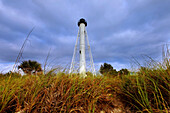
[{"x": 118, "y": 30}]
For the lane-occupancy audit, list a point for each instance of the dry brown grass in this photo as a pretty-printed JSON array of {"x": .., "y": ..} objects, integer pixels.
[{"x": 147, "y": 92}]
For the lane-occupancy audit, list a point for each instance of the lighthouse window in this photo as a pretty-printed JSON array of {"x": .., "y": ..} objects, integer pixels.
[{"x": 80, "y": 52}]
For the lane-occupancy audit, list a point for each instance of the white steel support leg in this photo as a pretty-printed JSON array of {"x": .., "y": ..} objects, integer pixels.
[
  {"x": 74, "y": 54},
  {"x": 90, "y": 55},
  {"x": 82, "y": 50}
]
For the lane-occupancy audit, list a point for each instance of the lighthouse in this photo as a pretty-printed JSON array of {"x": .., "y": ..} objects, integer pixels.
[
  {"x": 82, "y": 24},
  {"x": 83, "y": 43}
]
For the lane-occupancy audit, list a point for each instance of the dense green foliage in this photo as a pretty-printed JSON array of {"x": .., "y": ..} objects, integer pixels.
[
  {"x": 30, "y": 66},
  {"x": 123, "y": 72},
  {"x": 107, "y": 70}
]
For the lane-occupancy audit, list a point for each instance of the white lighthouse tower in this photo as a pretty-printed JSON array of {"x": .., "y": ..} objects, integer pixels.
[{"x": 82, "y": 37}]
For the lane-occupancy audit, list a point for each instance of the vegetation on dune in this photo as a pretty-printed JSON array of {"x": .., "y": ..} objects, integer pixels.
[
  {"x": 107, "y": 70},
  {"x": 59, "y": 93},
  {"x": 147, "y": 91},
  {"x": 30, "y": 67}
]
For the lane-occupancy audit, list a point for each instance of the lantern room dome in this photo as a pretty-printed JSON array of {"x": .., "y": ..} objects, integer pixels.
[{"x": 82, "y": 20}]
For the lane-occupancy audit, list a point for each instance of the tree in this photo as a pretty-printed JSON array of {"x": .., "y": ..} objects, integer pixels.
[
  {"x": 123, "y": 72},
  {"x": 30, "y": 67},
  {"x": 107, "y": 70}
]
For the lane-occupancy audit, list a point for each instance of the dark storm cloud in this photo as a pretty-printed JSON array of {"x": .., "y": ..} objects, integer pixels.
[{"x": 117, "y": 30}]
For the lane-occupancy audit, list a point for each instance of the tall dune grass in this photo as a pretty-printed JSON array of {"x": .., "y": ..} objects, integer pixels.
[
  {"x": 147, "y": 91},
  {"x": 59, "y": 93}
]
